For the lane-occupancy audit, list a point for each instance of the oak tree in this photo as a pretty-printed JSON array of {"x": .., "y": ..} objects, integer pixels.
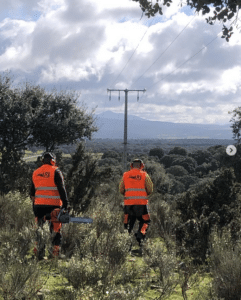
[{"x": 223, "y": 11}]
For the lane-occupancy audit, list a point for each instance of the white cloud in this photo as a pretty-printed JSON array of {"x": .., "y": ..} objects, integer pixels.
[{"x": 89, "y": 44}]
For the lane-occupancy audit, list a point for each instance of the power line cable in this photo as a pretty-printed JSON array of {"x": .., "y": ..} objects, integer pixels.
[
  {"x": 133, "y": 53},
  {"x": 165, "y": 50},
  {"x": 184, "y": 62}
]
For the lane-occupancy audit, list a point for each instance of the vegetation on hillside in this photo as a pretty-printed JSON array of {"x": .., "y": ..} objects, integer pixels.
[{"x": 192, "y": 250}]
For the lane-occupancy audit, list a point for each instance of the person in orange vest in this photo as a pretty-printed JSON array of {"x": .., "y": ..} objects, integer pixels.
[
  {"x": 47, "y": 193},
  {"x": 136, "y": 185}
]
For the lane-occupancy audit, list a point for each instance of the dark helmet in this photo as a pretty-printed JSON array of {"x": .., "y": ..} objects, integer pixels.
[
  {"x": 49, "y": 158},
  {"x": 138, "y": 164}
]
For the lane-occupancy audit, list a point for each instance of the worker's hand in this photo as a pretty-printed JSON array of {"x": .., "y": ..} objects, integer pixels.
[{"x": 65, "y": 208}]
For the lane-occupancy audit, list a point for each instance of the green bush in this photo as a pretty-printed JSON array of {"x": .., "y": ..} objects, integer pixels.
[
  {"x": 16, "y": 211},
  {"x": 163, "y": 220},
  {"x": 93, "y": 276},
  {"x": 214, "y": 201},
  {"x": 19, "y": 280},
  {"x": 20, "y": 276},
  {"x": 160, "y": 179},
  {"x": 226, "y": 265},
  {"x": 164, "y": 263}
]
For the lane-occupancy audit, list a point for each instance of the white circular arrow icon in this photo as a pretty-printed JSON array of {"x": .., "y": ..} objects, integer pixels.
[{"x": 231, "y": 150}]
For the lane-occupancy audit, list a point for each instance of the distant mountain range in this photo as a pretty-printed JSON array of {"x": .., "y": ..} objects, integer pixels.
[{"x": 111, "y": 125}]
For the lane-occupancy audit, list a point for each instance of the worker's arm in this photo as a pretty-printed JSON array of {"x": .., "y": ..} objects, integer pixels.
[
  {"x": 122, "y": 187},
  {"x": 32, "y": 192},
  {"x": 149, "y": 185},
  {"x": 59, "y": 181}
]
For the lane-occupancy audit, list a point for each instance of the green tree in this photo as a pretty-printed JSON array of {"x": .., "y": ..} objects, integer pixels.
[
  {"x": 111, "y": 154},
  {"x": 31, "y": 116},
  {"x": 188, "y": 180},
  {"x": 59, "y": 121},
  {"x": 167, "y": 160},
  {"x": 178, "y": 151},
  {"x": 15, "y": 120},
  {"x": 83, "y": 178},
  {"x": 158, "y": 176},
  {"x": 186, "y": 162},
  {"x": 201, "y": 156},
  {"x": 223, "y": 10},
  {"x": 177, "y": 171},
  {"x": 236, "y": 123},
  {"x": 156, "y": 152}
]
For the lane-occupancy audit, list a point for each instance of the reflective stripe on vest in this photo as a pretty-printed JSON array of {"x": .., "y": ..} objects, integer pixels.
[
  {"x": 136, "y": 197},
  {"x": 135, "y": 192},
  {"x": 138, "y": 190},
  {"x": 43, "y": 188},
  {"x": 47, "y": 197}
]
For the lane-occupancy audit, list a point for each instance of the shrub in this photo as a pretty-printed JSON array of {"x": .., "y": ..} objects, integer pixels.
[
  {"x": 226, "y": 266},
  {"x": 94, "y": 279},
  {"x": 100, "y": 264},
  {"x": 15, "y": 243},
  {"x": 16, "y": 211},
  {"x": 158, "y": 176},
  {"x": 213, "y": 201},
  {"x": 163, "y": 220},
  {"x": 19, "y": 280},
  {"x": 20, "y": 276},
  {"x": 164, "y": 263}
]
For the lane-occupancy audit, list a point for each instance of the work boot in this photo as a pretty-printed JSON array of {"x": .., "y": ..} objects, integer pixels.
[
  {"x": 39, "y": 251},
  {"x": 139, "y": 237}
]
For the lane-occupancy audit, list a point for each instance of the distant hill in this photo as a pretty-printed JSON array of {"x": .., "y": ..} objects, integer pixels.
[{"x": 111, "y": 125}]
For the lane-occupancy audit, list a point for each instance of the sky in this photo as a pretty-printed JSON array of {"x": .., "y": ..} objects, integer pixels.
[{"x": 191, "y": 74}]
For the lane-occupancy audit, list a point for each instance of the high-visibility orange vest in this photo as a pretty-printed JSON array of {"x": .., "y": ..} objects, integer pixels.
[
  {"x": 135, "y": 192},
  {"x": 46, "y": 191}
]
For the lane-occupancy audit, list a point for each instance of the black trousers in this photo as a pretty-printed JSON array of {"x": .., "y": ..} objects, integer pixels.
[
  {"x": 140, "y": 213},
  {"x": 40, "y": 212}
]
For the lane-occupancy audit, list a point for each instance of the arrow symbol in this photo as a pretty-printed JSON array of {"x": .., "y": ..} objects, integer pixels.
[{"x": 231, "y": 150}]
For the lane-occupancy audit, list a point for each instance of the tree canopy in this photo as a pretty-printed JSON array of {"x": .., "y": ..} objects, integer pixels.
[
  {"x": 224, "y": 10},
  {"x": 58, "y": 121},
  {"x": 31, "y": 116},
  {"x": 236, "y": 123}
]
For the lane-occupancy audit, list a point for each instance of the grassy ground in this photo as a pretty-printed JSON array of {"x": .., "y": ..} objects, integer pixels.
[{"x": 56, "y": 284}]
